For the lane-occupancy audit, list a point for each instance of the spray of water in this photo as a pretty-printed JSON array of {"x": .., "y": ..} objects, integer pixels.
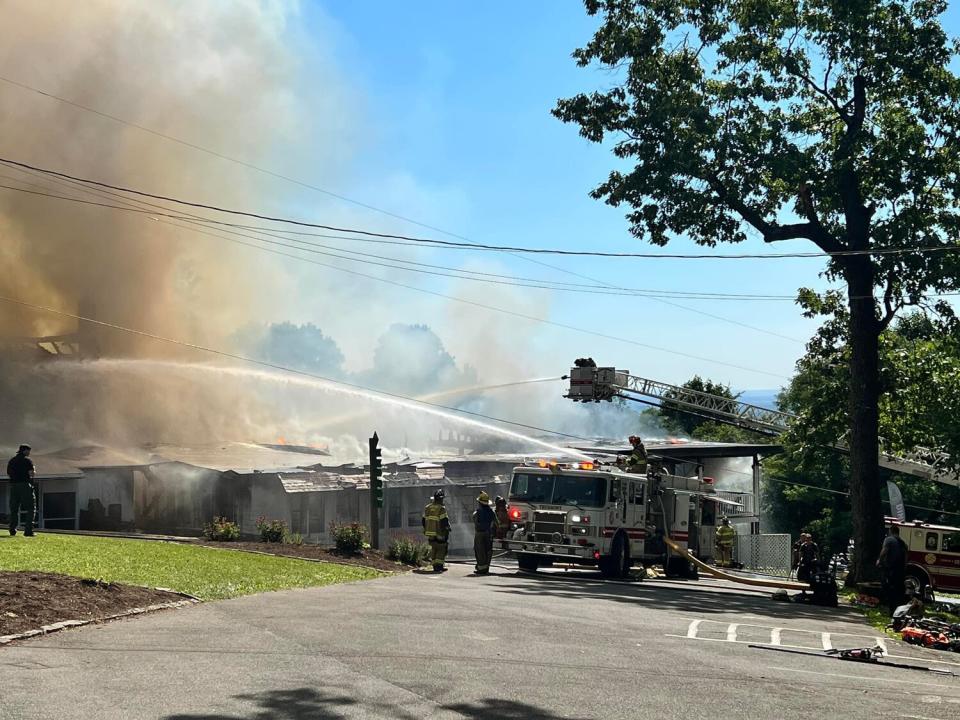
[
  {"x": 442, "y": 395},
  {"x": 219, "y": 372}
]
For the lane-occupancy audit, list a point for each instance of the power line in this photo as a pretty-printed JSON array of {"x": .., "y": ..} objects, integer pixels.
[
  {"x": 228, "y": 158},
  {"x": 482, "y": 246},
  {"x": 390, "y": 262},
  {"x": 454, "y": 298},
  {"x": 282, "y": 368}
]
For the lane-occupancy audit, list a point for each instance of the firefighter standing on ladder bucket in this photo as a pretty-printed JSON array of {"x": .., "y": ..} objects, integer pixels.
[
  {"x": 637, "y": 462},
  {"x": 725, "y": 538},
  {"x": 436, "y": 526}
]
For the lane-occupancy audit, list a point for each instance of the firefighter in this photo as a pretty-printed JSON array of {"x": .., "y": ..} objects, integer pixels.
[
  {"x": 503, "y": 519},
  {"x": 637, "y": 462},
  {"x": 20, "y": 472},
  {"x": 436, "y": 526},
  {"x": 484, "y": 526},
  {"x": 725, "y": 538}
]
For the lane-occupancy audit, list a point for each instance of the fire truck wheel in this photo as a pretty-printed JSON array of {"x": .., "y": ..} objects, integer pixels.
[
  {"x": 527, "y": 562},
  {"x": 915, "y": 581}
]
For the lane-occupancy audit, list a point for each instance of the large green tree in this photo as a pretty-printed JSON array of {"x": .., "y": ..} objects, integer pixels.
[{"x": 836, "y": 122}]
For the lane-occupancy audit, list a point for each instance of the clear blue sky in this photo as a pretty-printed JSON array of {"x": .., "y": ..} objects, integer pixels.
[{"x": 456, "y": 101}]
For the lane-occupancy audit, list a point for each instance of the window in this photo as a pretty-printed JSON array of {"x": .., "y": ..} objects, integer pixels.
[
  {"x": 413, "y": 518},
  {"x": 581, "y": 490},
  {"x": 315, "y": 523},
  {"x": 638, "y": 493},
  {"x": 951, "y": 542},
  {"x": 394, "y": 510},
  {"x": 614, "y": 489},
  {"x": 932, "y": 541}
]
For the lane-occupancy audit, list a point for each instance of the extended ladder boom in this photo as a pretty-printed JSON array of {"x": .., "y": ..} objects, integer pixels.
[{"x": 589, "y": 383}]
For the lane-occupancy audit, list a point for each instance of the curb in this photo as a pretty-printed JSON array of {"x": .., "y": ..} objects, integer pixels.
[{"x": 65, "y": 624}]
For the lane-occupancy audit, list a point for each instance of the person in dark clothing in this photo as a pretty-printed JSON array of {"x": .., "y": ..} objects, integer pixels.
[
  {"x": 809, "y": 557},
  {"x": 484, "y": 526},
  {"x": 893, "y": 568},
  {"x": 20, "y": 470}
]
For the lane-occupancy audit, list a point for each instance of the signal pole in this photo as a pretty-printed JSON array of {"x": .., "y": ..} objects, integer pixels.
[{"x": 376, "y": 491}]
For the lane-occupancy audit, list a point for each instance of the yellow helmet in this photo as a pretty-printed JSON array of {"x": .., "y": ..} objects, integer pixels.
[{"x": 483, "y": 498}]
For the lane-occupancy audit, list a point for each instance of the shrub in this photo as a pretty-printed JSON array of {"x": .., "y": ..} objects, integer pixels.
[
  {"x": 408, "y": 550},
  {"x": 222, "y": 530},
  {"x": 271, "y": 531},
  {"x": 348, "y": 539},
  {"x": 293, "y": 539}
]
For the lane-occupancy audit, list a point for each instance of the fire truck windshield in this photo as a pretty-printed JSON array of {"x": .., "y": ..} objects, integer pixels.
[{"x": 578, "y": 490}]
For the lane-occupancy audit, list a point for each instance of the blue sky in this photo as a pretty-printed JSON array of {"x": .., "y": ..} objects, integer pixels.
[{"x": 454, "y": 130}]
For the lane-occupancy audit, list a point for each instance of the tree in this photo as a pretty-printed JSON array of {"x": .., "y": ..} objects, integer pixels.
[
  {"x": 677, "y": 419},
  {"x": 836, "y": 123},
  {"x": 920, "y": 376}
]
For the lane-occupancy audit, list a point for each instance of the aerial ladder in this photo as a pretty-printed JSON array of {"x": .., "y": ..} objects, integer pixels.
[{"x": 589, "y": 383}]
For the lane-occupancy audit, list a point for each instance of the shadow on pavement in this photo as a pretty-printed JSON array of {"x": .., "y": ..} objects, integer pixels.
[
  {"x": 692, "y": 597},
  {"x": 310, "y": 704},
  {"x": 495, "y": 709},
  {"x": 298, "y": 704}
]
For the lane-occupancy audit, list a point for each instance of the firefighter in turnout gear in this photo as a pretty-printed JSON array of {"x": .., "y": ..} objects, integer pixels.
[
  {"x": 436, "y": 526},
  {"x": 485, "y": 524},
  {"x": 637, "y": 462},
  {"x": 725, "y": 537}
]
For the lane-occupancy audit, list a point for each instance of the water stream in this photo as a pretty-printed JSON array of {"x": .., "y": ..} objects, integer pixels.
[{"x": 218, "y": 372}]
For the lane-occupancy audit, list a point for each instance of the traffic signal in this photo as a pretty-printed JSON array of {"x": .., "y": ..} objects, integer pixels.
[{"x": 376, "y": 472}]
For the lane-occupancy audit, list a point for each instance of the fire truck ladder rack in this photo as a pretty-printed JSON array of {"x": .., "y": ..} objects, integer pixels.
[{"x": 589, "y": 383}]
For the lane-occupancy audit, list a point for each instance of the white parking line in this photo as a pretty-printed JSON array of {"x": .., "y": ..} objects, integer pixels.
[
  {"x": 775, "y": 635},
  {"x": 692, "y": 630},
  {"x": 825, "y": 641},
  {"x": 732, "y": 632}
]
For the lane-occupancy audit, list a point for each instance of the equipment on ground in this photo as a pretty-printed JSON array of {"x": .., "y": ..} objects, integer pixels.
[{"x": 872, "y": 656}]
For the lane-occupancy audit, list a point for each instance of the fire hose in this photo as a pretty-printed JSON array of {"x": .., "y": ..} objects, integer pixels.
[{"x": 709, "y": 569}]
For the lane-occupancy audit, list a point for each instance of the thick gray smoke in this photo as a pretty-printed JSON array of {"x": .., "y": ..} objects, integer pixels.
[{"x": 238, "y": 78}]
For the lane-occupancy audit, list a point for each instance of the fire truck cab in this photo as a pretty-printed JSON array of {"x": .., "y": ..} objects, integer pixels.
[
  {"x": 593, "y": 515},
  {"x": 933, "y": 555}
]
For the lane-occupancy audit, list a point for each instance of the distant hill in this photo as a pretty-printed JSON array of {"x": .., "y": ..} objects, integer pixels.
[{"x": 762, "y": 398}]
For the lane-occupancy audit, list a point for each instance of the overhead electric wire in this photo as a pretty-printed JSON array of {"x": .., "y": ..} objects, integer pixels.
[
  {"x": 228, "y": 158},
  {"x": 482, "y": 246},
  {"x": 494, "y": 308},
  {"x": 390, "y": 262}
]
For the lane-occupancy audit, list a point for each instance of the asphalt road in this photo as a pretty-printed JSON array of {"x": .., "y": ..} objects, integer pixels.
[{"x": 510, "y": 645}]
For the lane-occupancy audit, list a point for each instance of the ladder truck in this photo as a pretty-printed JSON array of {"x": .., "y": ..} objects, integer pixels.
[{"x": 589, "y": 383}]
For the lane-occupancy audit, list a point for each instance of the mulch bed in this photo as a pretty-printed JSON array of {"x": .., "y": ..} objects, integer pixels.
[
  {"x": 30, "y": 600},
  {"x": 370, "y": 558}
]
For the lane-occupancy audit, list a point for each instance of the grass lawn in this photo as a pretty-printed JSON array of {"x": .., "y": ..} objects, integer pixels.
[{"x": 207, "y": 573}]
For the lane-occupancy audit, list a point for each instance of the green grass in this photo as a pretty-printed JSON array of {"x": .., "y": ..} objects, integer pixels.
[{"x": 207, "y": 573}]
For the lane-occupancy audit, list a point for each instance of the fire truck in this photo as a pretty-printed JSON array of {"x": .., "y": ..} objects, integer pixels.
[
  {"x": 933, "y": 555},
  {"x": 599, "y": 516}
]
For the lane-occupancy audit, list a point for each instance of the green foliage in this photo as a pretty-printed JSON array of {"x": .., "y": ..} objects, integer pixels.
[
  {"x": 293, "y": 539},
  {"x": 348, "y": 538},
  {"x": 222, "y": 530},
  {"x": 271, "y": 531},
  {"x": 920, "y": 371},
  {"x": 208, "y": 573},
  {"x": 409, "y": 550},
  {"x": 834, "y": 123}
]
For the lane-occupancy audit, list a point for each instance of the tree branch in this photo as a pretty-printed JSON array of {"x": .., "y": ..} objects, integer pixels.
[
  {"x": 890, "y": 307},
  {"x": 772, "y": 232}
]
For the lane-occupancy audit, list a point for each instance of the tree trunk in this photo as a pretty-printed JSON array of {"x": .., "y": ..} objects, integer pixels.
[{"x": 864, "y": 418}]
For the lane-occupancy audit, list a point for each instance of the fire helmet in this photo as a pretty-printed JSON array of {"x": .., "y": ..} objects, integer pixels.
[{"x": 438, "y": 495}]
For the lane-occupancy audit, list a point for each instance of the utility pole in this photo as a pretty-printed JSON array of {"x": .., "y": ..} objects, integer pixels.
[{"x": 376, "y": 491}]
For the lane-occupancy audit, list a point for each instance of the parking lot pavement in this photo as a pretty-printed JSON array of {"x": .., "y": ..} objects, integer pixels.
[{"x": 453, "y": 645}]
